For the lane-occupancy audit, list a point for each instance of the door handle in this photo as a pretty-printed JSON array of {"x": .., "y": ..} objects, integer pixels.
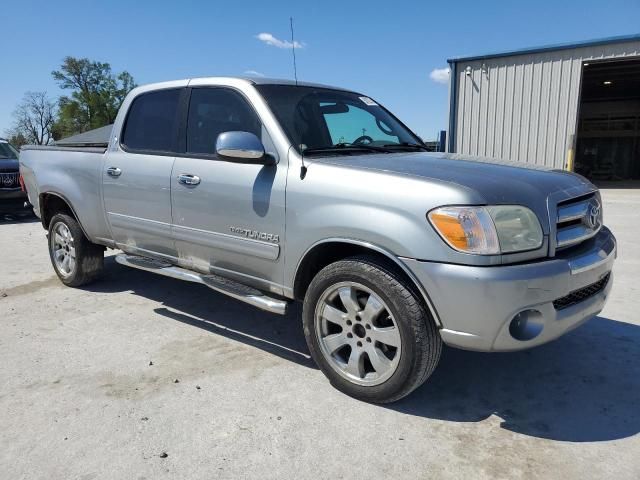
[
  {"x": 188, "y": 179},
  {"x": 114, "y": 172}
]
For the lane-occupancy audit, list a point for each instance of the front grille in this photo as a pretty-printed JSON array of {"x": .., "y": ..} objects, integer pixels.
[
  {"x": 9, "y": 180},
  {"x": 582, "y": 294},
  {"x": 578, "y": 220}
]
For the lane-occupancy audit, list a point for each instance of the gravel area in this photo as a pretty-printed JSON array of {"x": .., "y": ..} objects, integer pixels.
[{"x": 144, "y": 377}]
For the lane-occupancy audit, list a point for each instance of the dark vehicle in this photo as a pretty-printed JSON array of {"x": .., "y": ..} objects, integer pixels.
[{"x": 12, "y": 197}]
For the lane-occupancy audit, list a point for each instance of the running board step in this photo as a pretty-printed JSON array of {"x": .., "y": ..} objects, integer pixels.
[{"x": 220, "y": 284}]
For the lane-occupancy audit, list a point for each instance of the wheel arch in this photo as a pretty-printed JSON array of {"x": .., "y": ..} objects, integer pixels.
[
  {"x": 52, "y": 203},
  {"x": 327, "y": 251}
]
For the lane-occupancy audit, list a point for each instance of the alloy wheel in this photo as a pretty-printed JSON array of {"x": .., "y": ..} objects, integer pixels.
[
  {"x": 63, "y": 249},
  {"x": 357, "y": 333}
]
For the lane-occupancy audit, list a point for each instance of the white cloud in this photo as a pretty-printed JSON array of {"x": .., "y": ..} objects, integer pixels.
[
  {"x": 276, "y": 42},
  {"x": 253, "y": 73},
  {"x": 440, "y": 75}
]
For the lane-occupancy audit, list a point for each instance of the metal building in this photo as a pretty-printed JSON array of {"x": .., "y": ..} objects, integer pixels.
[{"x": 573, "y": 106}]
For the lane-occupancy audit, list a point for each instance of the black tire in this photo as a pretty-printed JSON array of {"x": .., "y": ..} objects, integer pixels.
[
  {"x": 89, "y": 257},
  {"x": 421, "y": 344}
]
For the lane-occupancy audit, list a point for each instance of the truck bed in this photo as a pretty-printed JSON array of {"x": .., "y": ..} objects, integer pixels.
[
  {"x": 98, "y": 138},
  {"x": 73, "y": 173}
]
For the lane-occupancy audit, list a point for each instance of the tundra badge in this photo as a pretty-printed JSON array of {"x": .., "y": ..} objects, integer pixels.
[{"x": 254, "y": 234}]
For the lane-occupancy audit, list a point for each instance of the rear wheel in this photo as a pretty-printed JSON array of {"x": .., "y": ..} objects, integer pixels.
[
  {"x": 75, "y": 259},
  {"x": 368, "y": 331}
]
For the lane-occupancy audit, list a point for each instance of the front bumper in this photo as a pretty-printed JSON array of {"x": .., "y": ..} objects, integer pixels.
[{"x": 476, "y": 305}]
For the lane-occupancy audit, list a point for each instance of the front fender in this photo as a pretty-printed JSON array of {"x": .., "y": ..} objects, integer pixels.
[
  {"x": 380, "y": 208},
  {"x": 373, "y": 248}
]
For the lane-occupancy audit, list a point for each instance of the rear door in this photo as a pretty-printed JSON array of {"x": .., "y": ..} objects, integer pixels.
[
  {"x": 137, "y": 175},
  {"x": 232, "y": 221}
]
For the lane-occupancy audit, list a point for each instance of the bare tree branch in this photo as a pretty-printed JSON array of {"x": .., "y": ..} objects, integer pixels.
[{"x": 34, "y": 117}]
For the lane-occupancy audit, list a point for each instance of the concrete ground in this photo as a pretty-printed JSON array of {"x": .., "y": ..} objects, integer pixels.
[{"x": 140, "y": 376}]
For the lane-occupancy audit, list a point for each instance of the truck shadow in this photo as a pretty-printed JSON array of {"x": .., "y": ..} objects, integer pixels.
[
  {"x": 201, "y": 307},
  {"x": 584, "y": 387}
]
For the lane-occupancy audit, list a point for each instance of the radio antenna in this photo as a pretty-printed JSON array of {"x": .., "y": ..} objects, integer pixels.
[
  {"x": 303, "y": 167},
  {"x": 293, "y": 51}
]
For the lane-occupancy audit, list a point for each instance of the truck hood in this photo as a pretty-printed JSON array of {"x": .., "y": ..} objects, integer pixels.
[
  {"x": 487, "y": 181},
  {"x": 8, "y": 165}
]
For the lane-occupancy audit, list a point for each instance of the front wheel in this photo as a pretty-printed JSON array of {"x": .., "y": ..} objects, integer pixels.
[
  {"x": 75, "y": 259},
  {"x": 368, "y": 331}
]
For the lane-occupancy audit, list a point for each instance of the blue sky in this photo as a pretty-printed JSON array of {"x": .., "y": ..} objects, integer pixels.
[{"x": 384, "y": 49}]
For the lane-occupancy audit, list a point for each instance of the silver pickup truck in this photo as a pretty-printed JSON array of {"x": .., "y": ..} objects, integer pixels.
[{"x": 271, "y": 192}]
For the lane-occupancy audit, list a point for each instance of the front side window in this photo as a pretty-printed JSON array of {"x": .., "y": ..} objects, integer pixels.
[
  {"x": 151, "y": 124},
  {"x": 213, "y": 111},
  {"x": 322, "y": 120}
]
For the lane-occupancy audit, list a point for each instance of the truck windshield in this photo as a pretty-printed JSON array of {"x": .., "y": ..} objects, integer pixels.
[
  {"x": 324, "y": 121},
  {"x": 7, "y": 151}
]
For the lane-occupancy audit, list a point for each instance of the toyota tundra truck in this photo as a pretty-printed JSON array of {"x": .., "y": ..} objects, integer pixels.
[{"x": 272, "y": 192}]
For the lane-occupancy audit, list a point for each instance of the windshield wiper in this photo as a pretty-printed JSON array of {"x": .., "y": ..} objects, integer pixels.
[
  {"x": 340, "y": 147},
  {"x": 408, "y": 145}
]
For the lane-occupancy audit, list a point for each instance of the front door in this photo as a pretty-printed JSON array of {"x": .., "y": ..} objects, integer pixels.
[
  {"x": 137, "y": 176},
  {"x": 228, "y": 218}
]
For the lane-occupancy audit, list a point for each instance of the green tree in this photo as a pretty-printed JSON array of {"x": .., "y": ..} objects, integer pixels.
[
  {"x": 18, "y": 140},
  {"x": 96, "y": 95}
]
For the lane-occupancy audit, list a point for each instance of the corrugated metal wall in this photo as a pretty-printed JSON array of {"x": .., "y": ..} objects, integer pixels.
[{"x": 524, "y": 107}]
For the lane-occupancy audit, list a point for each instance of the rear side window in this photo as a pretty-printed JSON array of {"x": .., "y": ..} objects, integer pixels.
[
  {"x": 152, "y": 122},
  {"x": 213, "y": 111}
]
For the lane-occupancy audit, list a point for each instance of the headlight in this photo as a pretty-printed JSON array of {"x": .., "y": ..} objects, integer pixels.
[{"x": 488, "y": 230}]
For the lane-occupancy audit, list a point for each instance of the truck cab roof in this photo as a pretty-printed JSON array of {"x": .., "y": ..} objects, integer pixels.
[
  {"x": 217, "y": 80},
  {"x": 279, "y": 81}
]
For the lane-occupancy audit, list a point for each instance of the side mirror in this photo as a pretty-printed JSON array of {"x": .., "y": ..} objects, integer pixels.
[{"x": 242, "y": 147}]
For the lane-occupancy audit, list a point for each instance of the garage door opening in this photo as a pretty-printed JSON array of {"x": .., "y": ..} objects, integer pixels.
[{"x": 608, "y": 142}]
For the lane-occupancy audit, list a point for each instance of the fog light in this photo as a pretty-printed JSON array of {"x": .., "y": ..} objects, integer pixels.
[{"x": 526, "y": 325}]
